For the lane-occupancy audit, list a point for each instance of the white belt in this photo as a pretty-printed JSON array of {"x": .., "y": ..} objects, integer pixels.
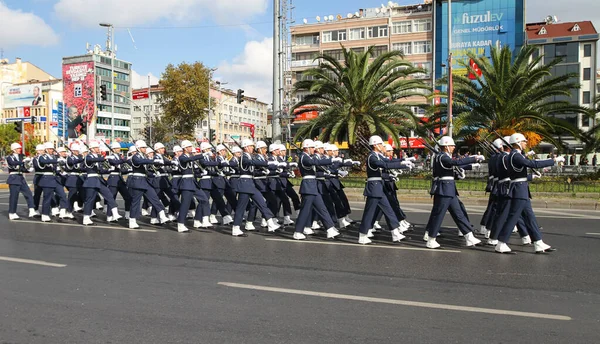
[
  {"x": 187, "y": 176},
  {"x": 177, "y": 176},
  {"x": 16, "y": 173},
  {"x": 93, "y": 175},
  {"x": 115, "y": 174},
  {"x": 205, "y": 177},
  {"x": 504, "y": 180},
  {"x": 139, "y": 175},
  {"x": 74, "y": 173},
  {"x": 263, "y": 177},
  {"x": 160, "y": 175},
  {"x": 309, "y": 177},
  {"x": 321, "y": 178},
  {"x": 245, "y": 176},
  {"x": 374, "y": 179},
  {"x": 518, "y": 180},
  {"x": 47, "y": 173},
  {"x": 446, "y": 178},
  {"x": 236, "y": 176}
]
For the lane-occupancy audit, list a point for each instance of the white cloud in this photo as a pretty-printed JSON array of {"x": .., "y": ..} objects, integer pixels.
[
  {"x": 141, "y": 81},
  {"x": 251, "y": 71},
  {"x": 24, "y": 28},
  {"x": 566, "y": 11},
  {"x": 130, "y": 13}
]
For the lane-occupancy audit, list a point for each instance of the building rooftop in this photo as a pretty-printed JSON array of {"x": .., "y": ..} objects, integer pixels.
[{"x": 545, "y": 30}]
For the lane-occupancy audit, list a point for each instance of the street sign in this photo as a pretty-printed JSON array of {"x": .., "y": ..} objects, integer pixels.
[
  {"x": 142, "y": 94},
  {"x": 25, "y": 119}
]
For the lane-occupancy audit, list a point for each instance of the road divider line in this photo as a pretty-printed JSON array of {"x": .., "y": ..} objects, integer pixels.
[
  {"x": 357, "y": 245},
  {"x": 398, "y": 302},
  {"x": 31, "y": 261},
  {"x": 82, "y": 226},
  {"x": 592, "y": 233}
]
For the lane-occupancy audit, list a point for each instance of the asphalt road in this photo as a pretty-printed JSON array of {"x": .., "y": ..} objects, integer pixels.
[{"x": 65, "y": 283}]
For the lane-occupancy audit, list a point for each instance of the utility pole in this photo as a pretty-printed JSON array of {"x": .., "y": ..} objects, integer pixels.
[
  {"x": 275, "y": 122},
  {"x": 450, "y": 86},
  {"x": 150, "y": 109}
]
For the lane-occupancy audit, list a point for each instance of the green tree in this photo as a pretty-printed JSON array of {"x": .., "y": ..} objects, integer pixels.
[
  {"x": 359, "y": 97},
  {"x": 184, "y": 97},
  {"x": 514, "y": 94},
  {"x": 591, "y": 138},
  {"x": 8, "y": 135}
]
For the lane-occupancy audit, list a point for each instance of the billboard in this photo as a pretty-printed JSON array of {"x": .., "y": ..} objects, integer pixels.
[
  {"x": 23, "y": 95},
  {"x": 475, "y": 25},
  {"x": 78, "y": 98}
]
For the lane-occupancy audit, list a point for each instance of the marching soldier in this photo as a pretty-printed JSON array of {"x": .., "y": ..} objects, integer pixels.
[
  {"x": 162, "y": 183},
  {"x": 221, "y": 188},
  {"x": 520, "y": 196},
  {"x": 74, "y": 182},
  {"x": 17, "y": 183},
  {"x": 37, "y": 189},
  {"x": 445, "y": 195},
  {"x": 49, "y": 183},
  {"x": 94, "y": 184},
  {"x": 311, "y": 197},
  {"x": 376, "y": 198},
  {"x": 116, "y": 183},
  {"x": 189, "y": 189},
  {"x": 289, "y": 188}
]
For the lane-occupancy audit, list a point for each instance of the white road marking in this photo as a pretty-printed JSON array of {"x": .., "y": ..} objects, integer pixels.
[
  {"x": 357, "y": 245},
  {"x": 592, "y": 233},
  {"x": 30, "y": 261},
  {"x": 398, "y": 302},
  {"x": 82, "y": 226}
]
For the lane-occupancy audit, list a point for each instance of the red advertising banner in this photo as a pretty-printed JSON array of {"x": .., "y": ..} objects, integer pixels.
[
  {"x": 306, "y": 116},
  {"x": 78, "y": 95},
  {"x": 415, "y": 143}
]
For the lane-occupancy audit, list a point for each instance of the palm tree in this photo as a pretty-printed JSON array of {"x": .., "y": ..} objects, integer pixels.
[
  {"x": 591, "y": 138},
  {"x": 514, "y": 94},
  {"x": 358, "y": 97}
]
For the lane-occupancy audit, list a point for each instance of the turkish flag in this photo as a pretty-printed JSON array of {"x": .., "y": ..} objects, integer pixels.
[
  {"x": 27, "y": 111},
  {"x": 252, "y": 130},
  {"x": 475, "y": 67}
]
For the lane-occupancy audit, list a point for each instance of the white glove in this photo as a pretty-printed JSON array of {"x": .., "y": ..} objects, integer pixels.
[
  {"x": 111, "y": 157},
  {"x": 530, "y": 153},
  {"x": 535, "y": 176},
  {"x": 336, "y": 160},
  {"x": 476, "y": 166},
  {"x": 282, "y": 164},
  {"x": 62, "y": 160},
  {"x": 175, "y": 162},
  {"x": 559, "y": 159},
  {"x": 28, "y": 159},
  {"x": 31, "y": 170},
  {"x": 266, "y": 172},
  {"x": 204, "y": 173},
  {"x": 274, "y": 163},
  {"x": 347, "y": 161},
  {"x": 343, "y": 173},
  {"x": 292, "y": 174},
  {"x": 225, "y": 163},
  {"x": 412, "y": 158},
  {"x": 406, "y": 163},
  {"x": 112, "y": 168},
  {"x": 356, "y": 163},
  {"x": 292, "y": 164},
  {"x": 479, "y": 158}
]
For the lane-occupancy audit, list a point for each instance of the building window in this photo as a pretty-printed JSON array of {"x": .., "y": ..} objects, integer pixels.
[
  {"x": 358, "y": 33},
  {"x": 587, "y": 50},
  {"x": 77, "y": 91},
  {"x": 306, "y": 40},
  {"x": 422, "y": 47},
  {"x": 586, "y": 97},
  {"x": 422, "y": 25},
  {"x": 587, "y": 74},
  {"x": 337, "y": 54},
  {"x": 402, "y": 27},
  {"x": 422, "y": 65},
  {"x": 379, "y": 50},
  {"x": 404, "y": 47},
  {"x": 334, "y": 36},
  {"x": 137, "y": 108},
  {"x": 561, "y": 50},
  {"x": 377, "y": 31}
]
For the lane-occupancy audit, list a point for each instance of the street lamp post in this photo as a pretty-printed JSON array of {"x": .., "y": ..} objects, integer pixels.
[
  {"x": 450, "y": 86},
  {"x": 210, "y": 74},
  {"x": 111, "y": 38}
]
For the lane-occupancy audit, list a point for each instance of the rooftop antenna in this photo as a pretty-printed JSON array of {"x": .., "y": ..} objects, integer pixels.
[
  {"x": 132, "y": 40},
  {"x": 330, "y": 17},
  {"x": 318, "y": 18},
  {"x": 305, "y": 21}
]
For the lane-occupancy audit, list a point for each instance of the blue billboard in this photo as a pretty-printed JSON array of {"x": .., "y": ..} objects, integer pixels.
[{"x": 476, "y": 24}]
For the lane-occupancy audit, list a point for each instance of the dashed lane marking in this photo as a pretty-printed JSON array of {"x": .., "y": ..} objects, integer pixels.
[
  {"x": 357, "y": 245},
  {"x": 398, "y": 302},
  {"x": 31, "y": 261}
]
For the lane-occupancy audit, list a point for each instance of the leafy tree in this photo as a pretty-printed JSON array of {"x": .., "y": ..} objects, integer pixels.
[
  {"x": 359, "y": 97},
  {"x": 184, "y": 98},
  {"x": 514, "y": 95},
  {"x": 8, "y": 135},
  {"x": 591, "y": 138}
]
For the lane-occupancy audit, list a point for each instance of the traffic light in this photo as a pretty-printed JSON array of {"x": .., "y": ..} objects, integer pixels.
[
  {"x": 103, "y": 94},
  {"x": 240, "y": 96},
  {"x": 212, "y": 135},
  {"x": 33, "y": 120},
  {"x": 19, "y": 127},
  {"x": 147, "y": 133}
]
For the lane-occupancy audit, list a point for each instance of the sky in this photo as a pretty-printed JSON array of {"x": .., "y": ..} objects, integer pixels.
[{"x": 234, "y": 36}]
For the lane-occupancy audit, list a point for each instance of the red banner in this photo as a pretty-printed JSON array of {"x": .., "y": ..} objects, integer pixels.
[
  {"x": 140, "y": 94},
  {"x": 415, "y": 143},
  {"x": 78, "y": 94},
  {"x": 305, "y": 116}
]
